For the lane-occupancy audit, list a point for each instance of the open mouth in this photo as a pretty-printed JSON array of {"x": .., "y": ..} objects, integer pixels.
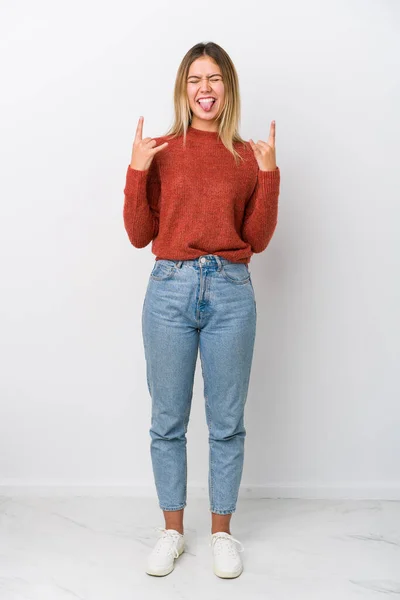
[{"x": 207, "y": 104}]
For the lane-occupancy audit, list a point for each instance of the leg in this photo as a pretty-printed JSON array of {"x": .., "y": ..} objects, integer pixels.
[
  {"x": 171, "y": 348},
  {"x": 220, "y": 523},
  {"x": 226, "y": 351},
  {"x": 174, "y": 519}
]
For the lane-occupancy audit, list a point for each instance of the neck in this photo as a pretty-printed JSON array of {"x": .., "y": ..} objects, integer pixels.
[{"x": 204, "y": 124}]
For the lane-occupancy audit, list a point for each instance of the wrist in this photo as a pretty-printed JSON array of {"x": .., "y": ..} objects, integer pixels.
[
  {"x": 136, "y": 168},
  {"x": 268, "y": 170}
]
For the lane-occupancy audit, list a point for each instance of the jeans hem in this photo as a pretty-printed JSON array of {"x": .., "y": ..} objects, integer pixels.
[
  {"x": 173, "y": 508},
  {"x": 221, "y": 511}
]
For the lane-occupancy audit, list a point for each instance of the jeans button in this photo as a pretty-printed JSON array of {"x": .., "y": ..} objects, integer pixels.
[{"x": 202, "y": 259}]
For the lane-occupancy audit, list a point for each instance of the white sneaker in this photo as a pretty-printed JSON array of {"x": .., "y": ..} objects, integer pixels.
[
  {"x": 169, "y": 546},
  {"x": 227, "y": 561}
]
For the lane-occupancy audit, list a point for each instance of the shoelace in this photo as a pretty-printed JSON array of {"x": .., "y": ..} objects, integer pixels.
[
  {"x": 166, "y": 536},
  {"x": 218, "y": 536}
]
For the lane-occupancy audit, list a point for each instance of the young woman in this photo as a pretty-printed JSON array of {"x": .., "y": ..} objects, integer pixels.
[{"x": 207, "y": 200}]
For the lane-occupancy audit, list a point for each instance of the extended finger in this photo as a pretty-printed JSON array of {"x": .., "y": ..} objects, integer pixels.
[
  {"x": 271, "y": 139},
  {"x": 139, "y": 130}
]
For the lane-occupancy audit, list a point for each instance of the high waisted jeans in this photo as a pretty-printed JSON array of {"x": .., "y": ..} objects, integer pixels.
[{"x": 207, "y": 303}]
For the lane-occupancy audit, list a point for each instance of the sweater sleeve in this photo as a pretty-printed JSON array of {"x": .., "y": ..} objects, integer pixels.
[
  {"x": 141, "y": 205},
  {"x": 261, "y": 212}
]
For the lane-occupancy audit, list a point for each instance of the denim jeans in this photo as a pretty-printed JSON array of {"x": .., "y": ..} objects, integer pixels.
[{"x": 205, "y": 304}]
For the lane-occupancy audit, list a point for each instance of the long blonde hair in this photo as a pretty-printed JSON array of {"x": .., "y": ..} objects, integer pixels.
[{"x": 228, "y": 116}]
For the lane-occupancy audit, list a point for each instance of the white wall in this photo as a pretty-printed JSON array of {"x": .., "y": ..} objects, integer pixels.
[{"x": 323, "y": 410}]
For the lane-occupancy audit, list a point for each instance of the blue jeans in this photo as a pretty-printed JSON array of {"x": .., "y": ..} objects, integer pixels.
[{"x": 207, "y": 303}]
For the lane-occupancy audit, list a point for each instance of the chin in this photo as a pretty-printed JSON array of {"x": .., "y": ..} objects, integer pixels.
[{"x": 203, "y": 116}]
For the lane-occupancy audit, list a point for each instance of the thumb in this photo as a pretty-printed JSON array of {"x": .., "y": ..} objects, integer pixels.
[
  {"x": 254, "y": 147},
  {"x": 252, "y": 144}
]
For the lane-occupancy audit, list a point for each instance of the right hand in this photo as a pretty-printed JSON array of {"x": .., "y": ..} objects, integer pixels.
[{"x": 144, "y": 150}]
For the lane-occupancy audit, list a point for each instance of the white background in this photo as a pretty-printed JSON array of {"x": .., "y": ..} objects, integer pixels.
[{"x": 322, "y": 414}]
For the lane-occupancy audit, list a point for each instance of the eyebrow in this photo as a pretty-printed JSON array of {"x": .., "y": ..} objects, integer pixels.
[{"x": 198, "y": 76}]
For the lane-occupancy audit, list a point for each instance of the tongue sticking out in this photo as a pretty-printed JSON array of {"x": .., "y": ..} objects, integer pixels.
[{"x": 206, "y": 105}]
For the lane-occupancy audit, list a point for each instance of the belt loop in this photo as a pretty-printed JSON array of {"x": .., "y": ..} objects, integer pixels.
[
  {"x": 217, "y": 258},
  {"x": 179, "y": 264}
]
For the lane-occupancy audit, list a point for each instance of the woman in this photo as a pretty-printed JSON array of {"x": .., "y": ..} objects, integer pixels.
[{"x": 207, "y": 200}]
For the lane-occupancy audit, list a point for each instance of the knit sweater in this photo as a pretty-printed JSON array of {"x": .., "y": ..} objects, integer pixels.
[{"x": 195, "y": 200}]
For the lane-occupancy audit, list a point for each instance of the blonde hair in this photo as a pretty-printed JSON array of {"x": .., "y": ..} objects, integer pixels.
[{"x": 228, "y": 116}]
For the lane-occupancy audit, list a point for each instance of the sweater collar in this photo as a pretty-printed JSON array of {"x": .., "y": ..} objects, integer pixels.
[{"x": 199, "y": 134}]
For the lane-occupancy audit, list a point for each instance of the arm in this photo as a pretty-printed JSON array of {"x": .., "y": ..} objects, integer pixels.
[
  {"x": 261, "y": 212},
  {"x": 141, "y": 205}
]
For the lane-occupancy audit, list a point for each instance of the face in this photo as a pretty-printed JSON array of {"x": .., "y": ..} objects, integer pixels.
[{"x": 204, "y": 80}]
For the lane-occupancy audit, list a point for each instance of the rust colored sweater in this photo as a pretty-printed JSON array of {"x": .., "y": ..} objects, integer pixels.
[{"x": 196, "y": 200}]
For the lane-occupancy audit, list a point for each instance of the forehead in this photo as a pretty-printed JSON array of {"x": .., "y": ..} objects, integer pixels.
[{"x": 204, "y": 66}]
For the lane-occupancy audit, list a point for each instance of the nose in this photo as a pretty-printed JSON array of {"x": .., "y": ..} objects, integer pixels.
[{"x": 205, "y": 87}]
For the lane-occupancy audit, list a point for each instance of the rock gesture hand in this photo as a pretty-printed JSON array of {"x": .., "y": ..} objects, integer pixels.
[
  {"x": 144, "y": 150},
  {"x": 264, "y": 152}
]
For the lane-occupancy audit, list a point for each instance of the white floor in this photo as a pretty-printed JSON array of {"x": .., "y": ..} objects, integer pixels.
[{"x": 95, "y": 548}]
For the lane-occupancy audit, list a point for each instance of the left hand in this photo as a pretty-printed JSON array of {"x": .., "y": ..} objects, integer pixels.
[{"x": 264, "y": 152}]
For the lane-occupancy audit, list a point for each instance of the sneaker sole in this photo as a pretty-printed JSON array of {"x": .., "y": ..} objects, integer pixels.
[
  {"x": 164, "y": 572},
  {"x": 227, "y": 574}
]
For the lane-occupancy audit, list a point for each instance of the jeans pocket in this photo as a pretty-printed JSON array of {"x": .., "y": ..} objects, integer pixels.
[
  {"x": 236, "y": 272},
  {"x": 163, "y": 269}
]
